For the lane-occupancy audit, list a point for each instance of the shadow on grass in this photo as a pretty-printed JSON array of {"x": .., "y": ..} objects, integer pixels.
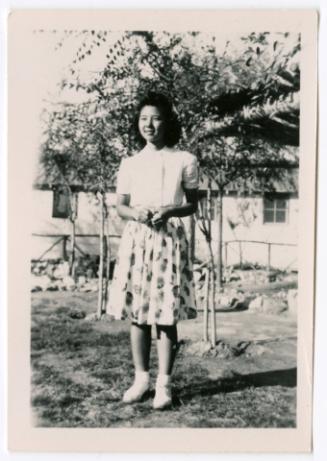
[
  {"x": 284, "y": 378},
  {"x": 80, "y": 374},
  {"x": 239, "y": 308}
]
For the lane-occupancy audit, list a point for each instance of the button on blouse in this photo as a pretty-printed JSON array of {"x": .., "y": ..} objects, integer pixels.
[{"x": 156, "y": 178}]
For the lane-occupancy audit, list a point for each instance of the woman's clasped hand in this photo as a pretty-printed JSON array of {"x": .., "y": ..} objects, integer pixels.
[
  {"x": 142, "y": 215},
  {"x": 153, "y": 218}
]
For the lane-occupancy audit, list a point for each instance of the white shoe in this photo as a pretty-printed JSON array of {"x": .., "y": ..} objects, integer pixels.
[
  {"x": 162, "y": 398},
  {"x": 140, "y": 386}
]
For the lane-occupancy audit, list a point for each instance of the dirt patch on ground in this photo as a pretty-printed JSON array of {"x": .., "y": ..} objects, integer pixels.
[{"x": 81, "y": 368}]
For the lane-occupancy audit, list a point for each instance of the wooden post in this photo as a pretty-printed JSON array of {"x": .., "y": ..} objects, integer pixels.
[
  {"x": 226, "y": 254},
  {"x": 269, "y": 257},
  {"x": 241, "y": 254},
  {"x": 64, "y": 248}
]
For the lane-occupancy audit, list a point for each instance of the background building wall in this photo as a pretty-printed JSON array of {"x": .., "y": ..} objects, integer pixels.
[
  {"x": 248, "y": 227},
  {"x": 243, "y": 223}
]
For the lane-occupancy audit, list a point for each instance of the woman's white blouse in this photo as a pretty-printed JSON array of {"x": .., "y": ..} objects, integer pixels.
[{"x": 155, "y": 178}]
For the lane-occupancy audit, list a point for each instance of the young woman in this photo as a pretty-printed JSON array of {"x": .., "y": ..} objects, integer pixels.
[{"x": 153, "y": 278}]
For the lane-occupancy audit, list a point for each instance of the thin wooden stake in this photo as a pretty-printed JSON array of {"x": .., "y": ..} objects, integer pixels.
[
  {"x": 206, "y": 306},
  {"x": 100, "y": 286},
  {"x": 213, "y": 308}
]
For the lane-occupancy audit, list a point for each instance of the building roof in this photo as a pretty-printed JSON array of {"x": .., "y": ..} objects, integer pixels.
[{"x": 287, "y": 184}]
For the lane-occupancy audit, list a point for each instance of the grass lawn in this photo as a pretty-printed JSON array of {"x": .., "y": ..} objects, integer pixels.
[{"x": 81, "y": 368}]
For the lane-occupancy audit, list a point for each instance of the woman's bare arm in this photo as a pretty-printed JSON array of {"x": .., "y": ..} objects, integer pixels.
[
  {"x": 125, "y": 211},
  {"x": 186, "y": 209}
]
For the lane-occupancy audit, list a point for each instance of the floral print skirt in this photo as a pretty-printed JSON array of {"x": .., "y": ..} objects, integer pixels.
[{"x": 153, "y": 277}]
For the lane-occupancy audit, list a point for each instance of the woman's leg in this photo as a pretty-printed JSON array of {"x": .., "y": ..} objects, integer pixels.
[
  {"x": 166, "y": 346},
  {"x": 141, "y": 345}
]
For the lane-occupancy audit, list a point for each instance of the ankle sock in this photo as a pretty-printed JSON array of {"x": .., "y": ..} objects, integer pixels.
[
  {"x": 142, "y": 376},
  {"x": 163, "y": 380}
]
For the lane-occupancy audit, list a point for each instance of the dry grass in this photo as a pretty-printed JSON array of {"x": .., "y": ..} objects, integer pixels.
[{"x": 81, "y": 368}]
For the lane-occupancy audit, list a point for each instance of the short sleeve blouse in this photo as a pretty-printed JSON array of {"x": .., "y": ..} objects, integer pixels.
[
  {"x": 123, "y": 178},
  {"x": 157, "y": 178}
]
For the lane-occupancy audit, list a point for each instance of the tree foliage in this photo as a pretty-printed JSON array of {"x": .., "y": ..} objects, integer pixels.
[
  {"x": 238, "y": 105},
  {"x": 247, "y": 90}
]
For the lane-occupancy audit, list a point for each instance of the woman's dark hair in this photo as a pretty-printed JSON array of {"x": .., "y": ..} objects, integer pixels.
[{"x": 172, "y": 126}]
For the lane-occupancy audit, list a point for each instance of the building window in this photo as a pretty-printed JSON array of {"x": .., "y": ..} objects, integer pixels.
[
  {"x": 61, "y": 204},
  {"x": 275, "y": 210}
]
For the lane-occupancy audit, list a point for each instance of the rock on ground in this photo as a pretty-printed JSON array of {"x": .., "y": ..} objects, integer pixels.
[{"x": 273, "y": 304}]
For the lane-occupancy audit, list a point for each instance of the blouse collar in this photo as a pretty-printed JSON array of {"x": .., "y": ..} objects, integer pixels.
[{"x": 151, "y": 151}]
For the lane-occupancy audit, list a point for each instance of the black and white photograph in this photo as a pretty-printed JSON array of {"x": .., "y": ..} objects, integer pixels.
[{"x": 165, "y": 254}]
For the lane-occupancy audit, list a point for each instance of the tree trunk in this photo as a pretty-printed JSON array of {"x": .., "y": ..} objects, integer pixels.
[
  {"x": 206, "y": 305},
  {"x": 192, "y": 238},
  {"x": 72, "y": 234},
  {"x": 72, "y": 250},
  {"x": 220, "y": 241},
  {"x": 101, "y": 256},
  {"x": 108, "y": 259},
  {"x": 212, "y": 298},
  {"x": 212, "y": 285}
]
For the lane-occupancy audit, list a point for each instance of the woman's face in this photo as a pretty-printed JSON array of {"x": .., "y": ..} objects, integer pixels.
[{"x": 152, "y": 125}]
